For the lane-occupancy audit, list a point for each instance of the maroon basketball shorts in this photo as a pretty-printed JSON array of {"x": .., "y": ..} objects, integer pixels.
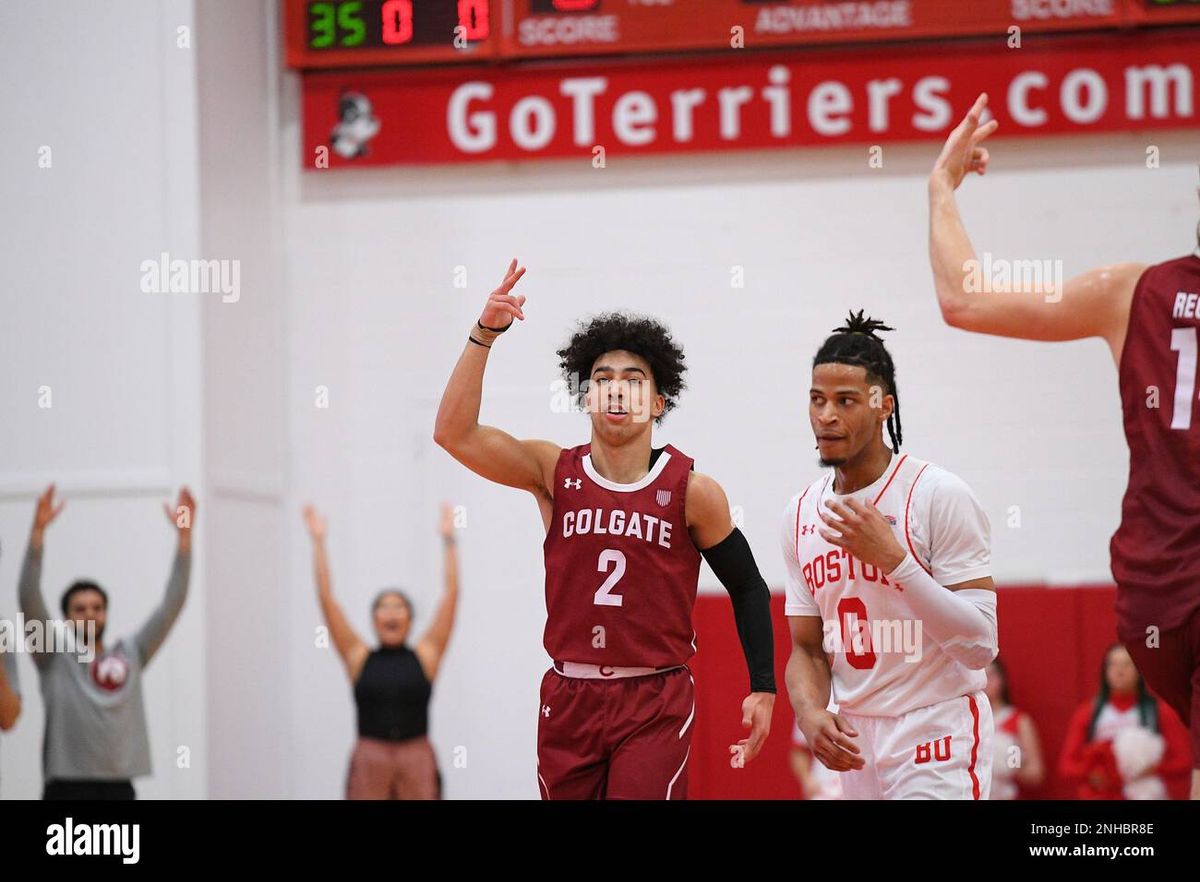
[
  {"x": 610, "y": 737},
  {"x": 1171, "y": 668}
]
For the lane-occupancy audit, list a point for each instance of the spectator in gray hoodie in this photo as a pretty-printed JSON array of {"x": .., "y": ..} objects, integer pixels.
[{"x": 96, "y": 740}]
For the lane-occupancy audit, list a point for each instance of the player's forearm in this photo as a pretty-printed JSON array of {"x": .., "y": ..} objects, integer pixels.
[
  {"x": 950, "y": 253},
  {"x": 808, "y": 681},
  {"x": 962, "y": 623},
  {"x": 458, "y": 413}
]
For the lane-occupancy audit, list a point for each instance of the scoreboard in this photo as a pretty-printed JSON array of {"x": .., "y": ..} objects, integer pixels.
[
  {"x": 369, "y": 33},
  {"x": 357, "y": 33}
]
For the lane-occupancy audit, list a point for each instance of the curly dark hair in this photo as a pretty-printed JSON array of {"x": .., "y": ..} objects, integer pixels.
[{"x": 638, "y": 334}]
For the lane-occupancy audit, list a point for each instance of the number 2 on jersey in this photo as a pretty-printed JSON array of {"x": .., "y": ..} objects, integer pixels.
[{"x": 604, "y": 595}]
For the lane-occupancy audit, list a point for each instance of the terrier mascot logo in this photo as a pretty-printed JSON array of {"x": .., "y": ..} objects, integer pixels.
[{"x": 356, "y": 126}]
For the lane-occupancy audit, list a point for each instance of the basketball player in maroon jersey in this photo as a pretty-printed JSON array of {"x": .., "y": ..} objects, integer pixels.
[
  {"x": 1150, "y": 318},
  {"x": 626, "y": 526}
]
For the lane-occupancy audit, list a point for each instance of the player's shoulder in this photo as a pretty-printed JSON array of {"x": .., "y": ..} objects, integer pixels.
[
  {"x": 929, "y": 478},
  {"x": 702, "y": 486},
  {"x": 1171, "y": 265},
  {"x": 935, "y": 487}
]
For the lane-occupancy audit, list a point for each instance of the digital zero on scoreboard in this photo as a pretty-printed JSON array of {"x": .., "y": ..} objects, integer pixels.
[{"x": 347, "y": 33}]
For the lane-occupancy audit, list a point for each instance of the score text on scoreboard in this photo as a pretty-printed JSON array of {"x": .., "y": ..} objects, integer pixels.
[
  {"x": 372, "y": 33},
  {"x": 352, "y": 33}
]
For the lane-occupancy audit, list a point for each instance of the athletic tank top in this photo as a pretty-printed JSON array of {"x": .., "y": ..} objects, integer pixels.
[
  {"x": 1156, "y": 549},
  {"x": 621, "y": 568},
  {"x": 392, "y": 695}
]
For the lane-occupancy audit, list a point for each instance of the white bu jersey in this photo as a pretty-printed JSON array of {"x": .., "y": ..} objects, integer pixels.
[{"x": 883, "y": 663}]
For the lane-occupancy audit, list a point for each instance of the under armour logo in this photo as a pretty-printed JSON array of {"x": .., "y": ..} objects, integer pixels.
[
  {"x": 567, "y": 482},
  {"x": 545, "y": 710},
  {"x": 805, "y": 529}
]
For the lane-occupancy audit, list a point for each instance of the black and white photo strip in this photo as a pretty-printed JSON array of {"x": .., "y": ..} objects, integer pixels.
[{"x": 468, "y": 402}]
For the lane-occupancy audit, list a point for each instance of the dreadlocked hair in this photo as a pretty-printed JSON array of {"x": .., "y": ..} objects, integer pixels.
[
  {"x": 856, "y": 343},
  {"x": 638, "y": 334}
]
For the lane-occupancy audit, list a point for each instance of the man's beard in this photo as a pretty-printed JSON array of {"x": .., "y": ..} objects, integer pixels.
[{"x": 831, "y": 463}]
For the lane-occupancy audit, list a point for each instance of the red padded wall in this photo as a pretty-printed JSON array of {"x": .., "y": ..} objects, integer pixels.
[{"x": 1051, "y": 639}]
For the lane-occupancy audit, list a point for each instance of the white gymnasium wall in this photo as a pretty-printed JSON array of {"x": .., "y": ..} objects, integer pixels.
[
  {"x": 245, "y": 416},
  {"x": 117, "y": 112}
]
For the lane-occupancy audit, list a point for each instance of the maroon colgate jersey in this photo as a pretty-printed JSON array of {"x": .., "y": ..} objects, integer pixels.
[
  {"x": 1156, "y": 550},
  {"x": 621, "y": 568}
]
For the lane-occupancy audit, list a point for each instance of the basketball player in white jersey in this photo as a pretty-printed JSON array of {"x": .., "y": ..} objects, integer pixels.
[{"x": 888, "y": 571}]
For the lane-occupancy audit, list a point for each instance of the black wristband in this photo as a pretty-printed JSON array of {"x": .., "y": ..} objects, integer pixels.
[
  {"x": 484, "y": 327},
  {"x": 478, "y": 342}
]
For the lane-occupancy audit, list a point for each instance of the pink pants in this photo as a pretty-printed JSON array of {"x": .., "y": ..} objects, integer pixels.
[{"x": 393, "y": 770}]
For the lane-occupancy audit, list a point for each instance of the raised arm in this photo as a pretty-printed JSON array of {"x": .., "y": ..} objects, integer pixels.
[
  {"x": 154, "y": 632},
  {"x": 348, "y": 644},
  {"x": 485, "y": 450},
  {"x": 1094, "y": 304},
  {"x": 29, "y": 591},
  {"x": 432, "y": 645}
]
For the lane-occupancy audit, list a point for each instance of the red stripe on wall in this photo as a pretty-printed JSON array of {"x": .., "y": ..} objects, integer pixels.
[{"x": 1052, "y": 641}]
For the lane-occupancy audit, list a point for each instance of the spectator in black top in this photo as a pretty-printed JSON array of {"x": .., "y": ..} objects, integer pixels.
[{"x": 393, "y": 758}]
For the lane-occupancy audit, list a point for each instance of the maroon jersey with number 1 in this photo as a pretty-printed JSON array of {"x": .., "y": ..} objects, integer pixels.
[
  {"x": 621, "y": 568},
  {"x": 1156, "y": 550}
]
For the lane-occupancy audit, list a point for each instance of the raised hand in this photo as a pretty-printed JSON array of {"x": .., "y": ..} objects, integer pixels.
[
  {"x": 45, "y": 513},
  {"x": 962, "y": 153},
  {"x": 502, "y": 307},
  {"x": 183, "y": 515},
  {"x": 315, "y": 522},
  {"x": 446, "y": 523}
]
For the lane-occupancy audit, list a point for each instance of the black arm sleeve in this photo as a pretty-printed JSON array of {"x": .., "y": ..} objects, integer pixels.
[{"x": 733, "y": 563}]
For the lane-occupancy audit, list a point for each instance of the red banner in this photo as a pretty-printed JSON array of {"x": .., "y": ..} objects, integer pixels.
[{"x": 1059, "y": 85}]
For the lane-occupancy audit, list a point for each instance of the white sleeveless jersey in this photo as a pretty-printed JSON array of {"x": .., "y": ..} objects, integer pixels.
[{"x": 882, "y": 662}]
